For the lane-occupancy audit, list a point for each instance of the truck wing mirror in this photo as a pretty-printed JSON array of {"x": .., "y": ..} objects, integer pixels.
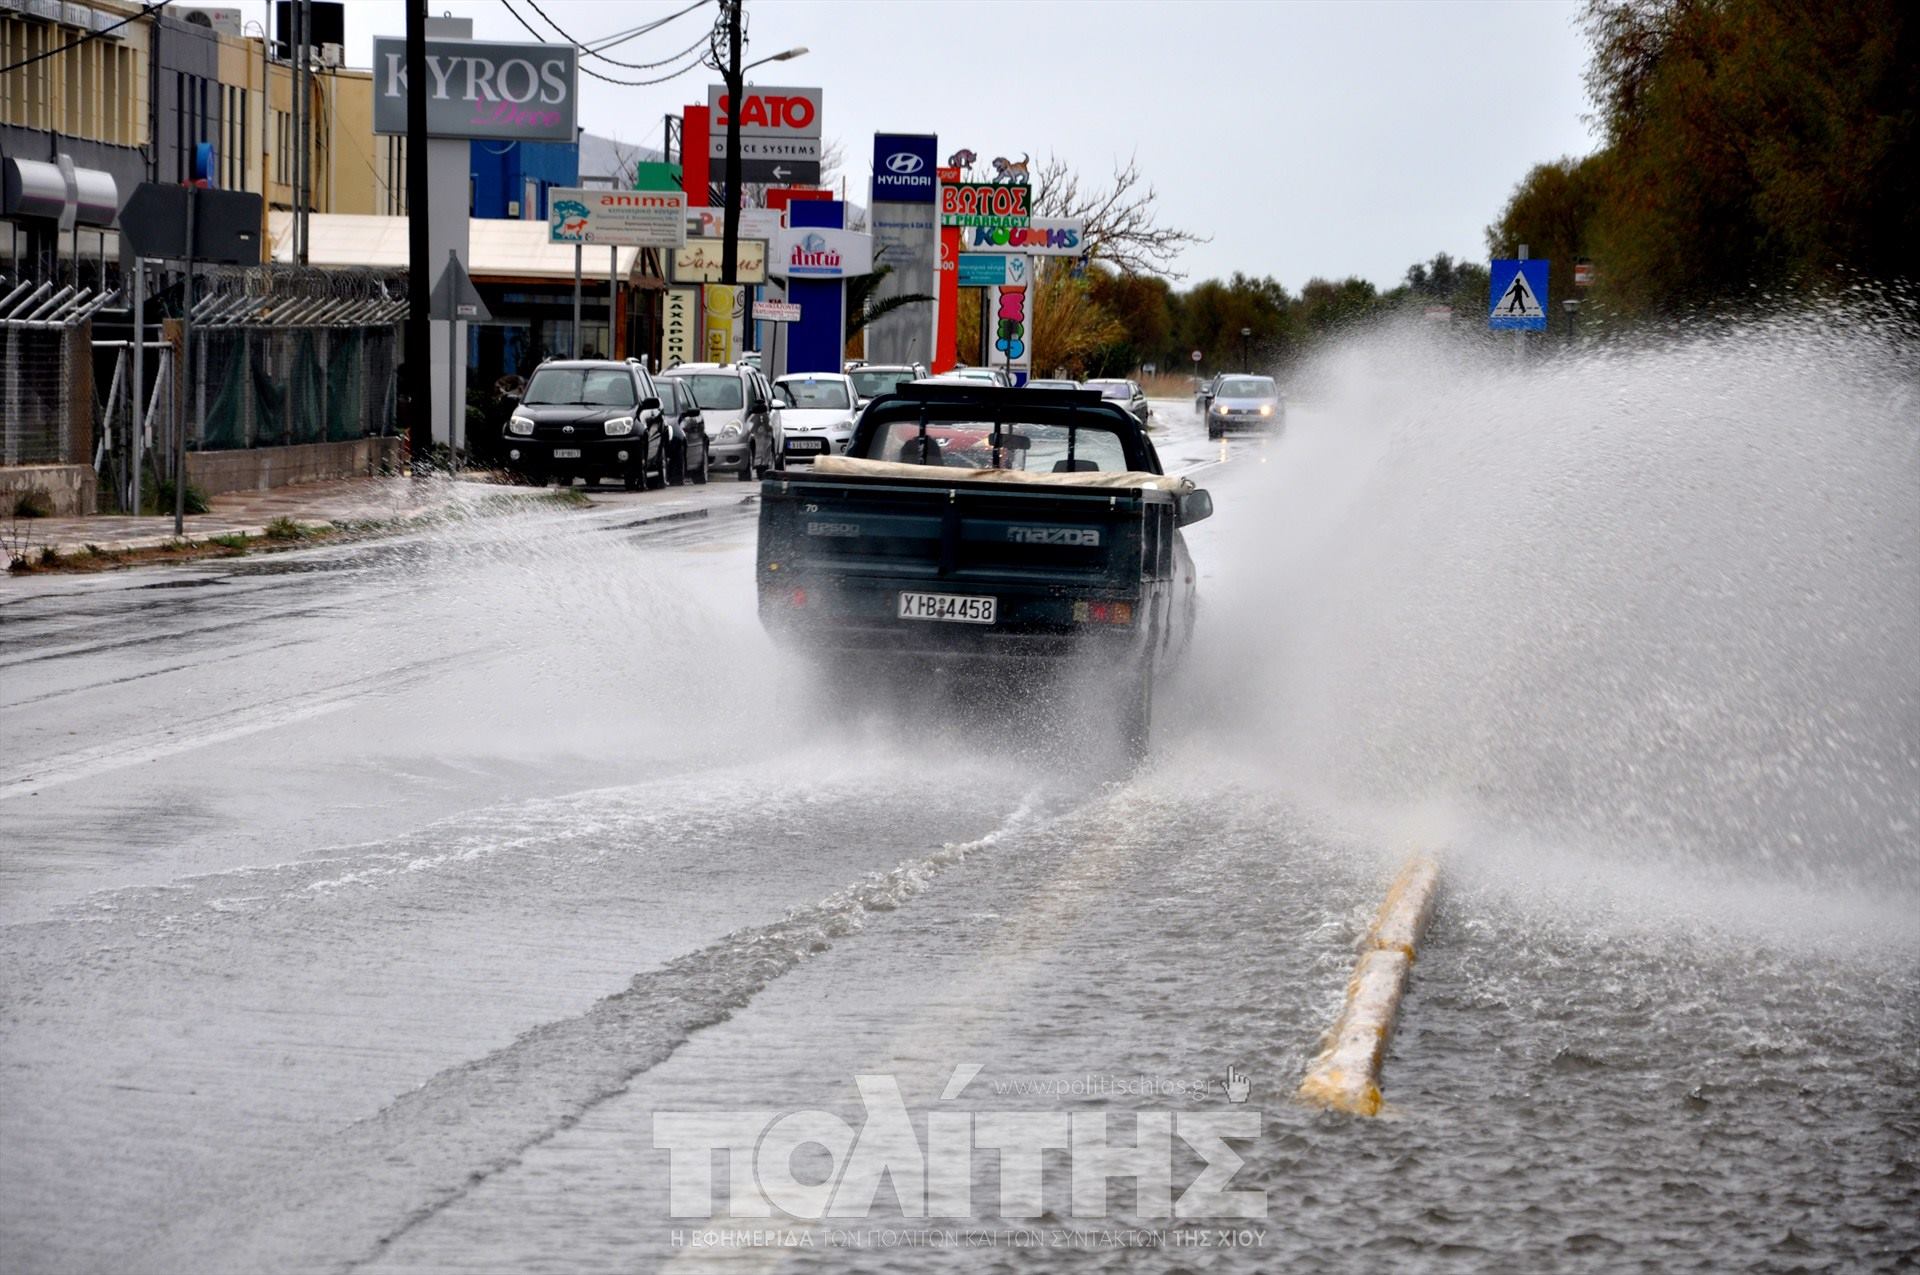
[{"x": 1194, "y": 506}]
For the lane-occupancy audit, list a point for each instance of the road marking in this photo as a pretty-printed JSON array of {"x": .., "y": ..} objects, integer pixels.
[{"x": 1346, "y": 1075}]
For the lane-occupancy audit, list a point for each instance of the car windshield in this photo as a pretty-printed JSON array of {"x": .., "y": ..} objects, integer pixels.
[
  {"x": 1112, "y": 389},
  {"x": 713, "y": 391},
  {"x": 580, "y": 387},
  {"x": 969, "y": 445},
  {"x": 1248, "y": 387},
  {"x": 1052, "y": 385},
  {"x": 873, "y": 382},
  {"x": 809, "y": 393}
]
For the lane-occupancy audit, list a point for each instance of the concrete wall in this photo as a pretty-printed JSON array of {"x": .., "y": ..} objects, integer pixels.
[
  {"x": 259, "y": 468},
  {"x": 69, "y": 488}
]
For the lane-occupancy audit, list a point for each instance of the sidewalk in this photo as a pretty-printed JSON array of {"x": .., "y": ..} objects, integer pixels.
[{"x": 319, "y": 505}]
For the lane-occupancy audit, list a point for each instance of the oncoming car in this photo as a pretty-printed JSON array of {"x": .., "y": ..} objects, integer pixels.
[
  {"x": 591, "y": 419},
  {"x": 1245, "y": 402},
  {"x": 819, "y": 411}
]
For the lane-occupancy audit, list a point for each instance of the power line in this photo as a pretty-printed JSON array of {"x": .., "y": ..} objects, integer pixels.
[
  {"x": 594, "y": 51},
  {"x": 146, "y": 10},
  {"x": 587, "y": 70}
]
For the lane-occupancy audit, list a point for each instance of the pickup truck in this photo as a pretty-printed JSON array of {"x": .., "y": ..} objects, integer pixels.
[{"x": 975, "y": 528}]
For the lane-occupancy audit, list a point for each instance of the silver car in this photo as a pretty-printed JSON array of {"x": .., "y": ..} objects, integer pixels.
[
  {"x": 745, "y": 433},
  {"x": 1128, "y": 395},
  {"x": 1245, "y": 402}
]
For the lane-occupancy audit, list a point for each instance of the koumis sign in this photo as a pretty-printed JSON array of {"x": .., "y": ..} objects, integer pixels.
[
  {"x": 476, "y": 88},
  {"x": 1040, "y": 237}
]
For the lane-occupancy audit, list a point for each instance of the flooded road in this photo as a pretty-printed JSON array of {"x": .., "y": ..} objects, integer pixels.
[{"x": 371, "y": 908}]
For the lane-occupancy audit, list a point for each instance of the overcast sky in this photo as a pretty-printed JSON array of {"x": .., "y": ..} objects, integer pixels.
[{"x": 1302, "y": 138}]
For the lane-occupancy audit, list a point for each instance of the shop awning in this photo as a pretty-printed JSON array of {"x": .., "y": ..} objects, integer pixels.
[{"x": 497, "y": 250}]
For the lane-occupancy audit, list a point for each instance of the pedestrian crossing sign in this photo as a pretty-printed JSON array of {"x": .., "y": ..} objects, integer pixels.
[{"x": 1518, "y": 295}]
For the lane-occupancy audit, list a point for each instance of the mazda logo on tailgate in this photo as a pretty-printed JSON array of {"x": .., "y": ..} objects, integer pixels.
[{"x": 905, "y": 163}]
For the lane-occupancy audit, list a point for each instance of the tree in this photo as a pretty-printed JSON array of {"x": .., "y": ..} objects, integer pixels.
[
  {"x": 1142, "y": 306},
  {"x": 1552, "y": 211},
  {"x": 1123, "y": 228},
  {"x": 1070, "y": 328}
]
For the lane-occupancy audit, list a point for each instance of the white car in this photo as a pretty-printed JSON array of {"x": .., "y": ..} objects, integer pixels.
[{"x": 819, "y": 409}]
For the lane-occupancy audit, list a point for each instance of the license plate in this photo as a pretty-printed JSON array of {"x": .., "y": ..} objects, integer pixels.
[
  {"x": 806, "y": 445},
  {"x": 566, "y": 453},
  {"x": 955, "y": 607}
]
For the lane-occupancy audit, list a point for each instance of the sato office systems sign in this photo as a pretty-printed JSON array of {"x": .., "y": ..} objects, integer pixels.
[
  {"x": 988, "y": 204},
  {"x": 633, "y": 218},
  {"x": 478, "y": 88}
]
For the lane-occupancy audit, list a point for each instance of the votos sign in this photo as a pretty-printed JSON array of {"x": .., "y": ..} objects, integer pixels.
[
  {"x": 904, "y": 168},
  {"x": 513, "y": 92},
  {"x": 768, "y": 112},
  {"x": 1040, "y": 237},
  {"x": 985, "y": 204}
]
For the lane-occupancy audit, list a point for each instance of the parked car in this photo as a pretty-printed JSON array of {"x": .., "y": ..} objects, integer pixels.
[
  {"x": 871, "y": 380},
  {"x": 1053, "y": 384},
  {"x": 688, "y": 456},
  {"x": 591, "y": 419},
  {"x": 981, "y": 376},
  {"x": 743, "y": 418},
  {"x": 820, "y": 409},
  {"x": 1245, "y": 402},
  {"x": 1128, "y": 395}
]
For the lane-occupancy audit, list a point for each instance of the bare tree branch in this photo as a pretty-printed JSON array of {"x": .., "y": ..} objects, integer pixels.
[{"x": 1123, "y": 228}]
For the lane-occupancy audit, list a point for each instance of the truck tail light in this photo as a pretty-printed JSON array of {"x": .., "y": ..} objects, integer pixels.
[
  {"x": 799, "y": 597},
  {"x": 1103, "y": 613}
]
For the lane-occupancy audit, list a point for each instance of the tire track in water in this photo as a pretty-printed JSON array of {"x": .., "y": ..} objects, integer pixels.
[{"x": 375, "y": 1180}]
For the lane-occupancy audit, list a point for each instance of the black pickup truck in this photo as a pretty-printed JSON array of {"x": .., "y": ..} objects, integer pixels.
[{"x": 972, "y": 527}]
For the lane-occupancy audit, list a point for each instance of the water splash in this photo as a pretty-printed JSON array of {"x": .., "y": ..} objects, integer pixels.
[{"x": 1656, "y": 604}]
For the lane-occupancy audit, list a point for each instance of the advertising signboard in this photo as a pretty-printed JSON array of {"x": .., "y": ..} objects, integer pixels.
[
  {"x": 679, "y": 320},
  {"x": 477, "y": 88},
  {"x": 946, "y": 305},
  {"x": 637, "y": 218},
  {"x": 698, "y": 261},
  {"x": 905, "y": 168},
  {"x": 755, "y": 223},
  {"x": 906, "y": 237},
  {"x": 821, "y": 253},
  {"x": 991, "y": 269},
  {"x": 776, "y": 312},
  {"x": 1011, "y": 314},
  {"x": 1040, "y": 237},
  {"x": 782, "y": 114},
  {"x": 721, "y": 302},
  {"x": 985, "y": 204}
]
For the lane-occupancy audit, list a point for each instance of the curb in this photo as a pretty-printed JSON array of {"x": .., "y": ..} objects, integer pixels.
[{"x": 1346, "y": 1074}]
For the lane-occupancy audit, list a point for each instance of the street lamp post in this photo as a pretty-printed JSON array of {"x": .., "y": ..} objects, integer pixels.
[{"x": 1246, "y": 334}]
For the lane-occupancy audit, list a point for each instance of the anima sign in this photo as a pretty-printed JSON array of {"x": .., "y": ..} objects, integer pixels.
[
  {"x": 986, "y": 204},
  {"x": 511, "y": 92},
  {"x": 639, "y": 218}
]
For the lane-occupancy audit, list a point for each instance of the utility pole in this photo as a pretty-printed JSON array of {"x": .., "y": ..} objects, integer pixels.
[
  {"x": 736, "y": 89},
  {"x": 419, "y": 283}
]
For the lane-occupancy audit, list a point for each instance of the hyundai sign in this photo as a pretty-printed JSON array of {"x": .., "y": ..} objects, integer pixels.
[
  {"x": 506, "y": 92},
  {"x": 903, "y": 168}
]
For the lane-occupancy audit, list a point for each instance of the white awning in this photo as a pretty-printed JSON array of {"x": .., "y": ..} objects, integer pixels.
[{"x": 496, "y": 249}]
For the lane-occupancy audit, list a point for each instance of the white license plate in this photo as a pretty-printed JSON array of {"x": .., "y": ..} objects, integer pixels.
[
  {"x": 566, "y": 453},
  {"x": 806, "y": 445},
  {"x": 958, "y": 608}
]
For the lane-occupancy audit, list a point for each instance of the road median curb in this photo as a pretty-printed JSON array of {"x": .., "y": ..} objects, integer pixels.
[{"x": 1346, "y": 1074}]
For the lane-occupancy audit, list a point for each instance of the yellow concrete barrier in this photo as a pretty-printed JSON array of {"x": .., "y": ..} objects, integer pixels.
[{"x": 1346, "y": 1074}]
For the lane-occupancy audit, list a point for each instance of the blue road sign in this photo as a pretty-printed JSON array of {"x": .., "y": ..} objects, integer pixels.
[{"x": 1517, "y": 297}]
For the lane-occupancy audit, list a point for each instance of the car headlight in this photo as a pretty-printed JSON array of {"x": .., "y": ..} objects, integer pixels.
[
  {"x": 619, "y": 426},
  {"x": 1266, "y": 409},
  {"x": 730, "y": 430},
  {"x": 521, "y": 425},
  {"x": 1219, "y": 409}
]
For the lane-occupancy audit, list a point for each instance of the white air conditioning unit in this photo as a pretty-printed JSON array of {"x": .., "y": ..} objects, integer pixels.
[
  {"x": 332, "y": 55},
  {"x": 224, "y": 21}
]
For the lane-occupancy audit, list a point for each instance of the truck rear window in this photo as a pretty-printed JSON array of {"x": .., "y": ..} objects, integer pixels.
[{"x": 1054, "y": 449}]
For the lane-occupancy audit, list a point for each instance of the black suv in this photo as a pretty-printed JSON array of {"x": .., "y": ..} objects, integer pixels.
[{"x": 591, "y": 419}]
